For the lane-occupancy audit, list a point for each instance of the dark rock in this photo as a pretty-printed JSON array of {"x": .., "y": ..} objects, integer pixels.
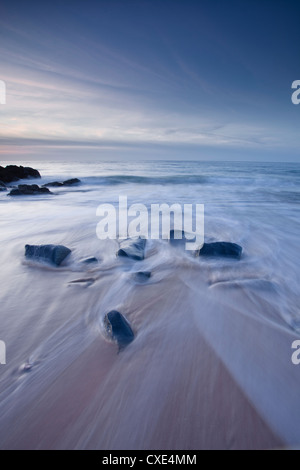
[
  {"x": 89, "y": 281},
  {"x": 15, "y": 192},
  {"x": 15, "y": 173},
  {"x": 223, "y": 249},
  {"x": 118, "y": 328},
  {"x": 55, "y": 254},
  {"x": 71, "y": 182},
  {"x": 2, "y": 186},
  {"x": 57, "y": 184},
  {"x": 90, "y": 260},
  {"x": 28, "y": 190},
  {"x": 133, "y": 248},
  {"x": 142, "y": 276}
]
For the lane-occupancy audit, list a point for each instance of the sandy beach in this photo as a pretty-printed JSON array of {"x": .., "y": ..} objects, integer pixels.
[{"x": 170, "y": 389}]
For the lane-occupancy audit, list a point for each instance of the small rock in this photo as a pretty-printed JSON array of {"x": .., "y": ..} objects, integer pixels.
[
  {"x": 133, "y": 248},
  {"x": 57, "y": 184},
  {"x": 89, "y": 281},
  {"x": 223, "y": 249},
  {"x": 27, "y": 367},
  {"x": 90, "y": 260},
  {"x": 71, "y": 182},
  {"x": 118, "y": 328},
  {"x": 142, "y": 276},
  {"x": 54, "y": 254}
]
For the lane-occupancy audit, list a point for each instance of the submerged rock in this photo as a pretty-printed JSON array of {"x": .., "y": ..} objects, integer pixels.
[
  {"x": 54, "y": 254},
  {"x": 15, "y": 173},
  {"x": 27, "y": 367},
  {"x": 133, "y": 248},
  {"x": 28, "y": 190},
  {"x": 223, "y": 249},
  {"x": 71, "y": 182},
  {"x": 88, "y": 281},
  {"x": 90, "y": 260},
  {"x": 142, "y": 276},
  {"x": 57, "y": 184},
  {"x": 118, "y": 328}
]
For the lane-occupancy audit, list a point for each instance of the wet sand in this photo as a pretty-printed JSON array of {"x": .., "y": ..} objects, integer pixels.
[{"x": 169, "y": 389}]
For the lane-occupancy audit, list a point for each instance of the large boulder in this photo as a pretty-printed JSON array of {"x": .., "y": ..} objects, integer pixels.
[
  {"x": 54, "y": 254},
  {"x": 133, "y": 248},
  {"x": 221, "y": 249},
  {"x": 118, "y": 328},
  {"x": 15, "y": 173},
  {"x": 28, "y": 190}
]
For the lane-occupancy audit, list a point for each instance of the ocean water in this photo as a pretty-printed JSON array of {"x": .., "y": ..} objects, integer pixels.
[{"x": 66, "y": 386}]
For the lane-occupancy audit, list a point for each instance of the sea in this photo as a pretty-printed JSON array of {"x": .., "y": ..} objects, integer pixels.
[{"x": 66, "y": 385}]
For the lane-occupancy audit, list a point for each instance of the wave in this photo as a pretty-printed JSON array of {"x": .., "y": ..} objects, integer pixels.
[
  {"x": 187, "y": 180},
  {"x": 145, "y": 180}
]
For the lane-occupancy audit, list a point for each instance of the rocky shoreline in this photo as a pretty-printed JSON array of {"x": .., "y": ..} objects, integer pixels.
[{"x": 13, "y": 173}]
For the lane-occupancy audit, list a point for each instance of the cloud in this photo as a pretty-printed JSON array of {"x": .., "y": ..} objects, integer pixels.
[{"x": 119, "y": 79}]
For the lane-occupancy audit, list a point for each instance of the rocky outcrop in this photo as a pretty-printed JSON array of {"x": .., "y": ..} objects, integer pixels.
[
  {"x": 118, "y": 328},
  {"x": 221, "y": 249},
  {"x": 54, "y": 254},
  {"x": 57, "y": 184},
  {"x": 15, "y": 173},
  {"x": 133, "y": 248},
  {"x": 29, "y": 190}
]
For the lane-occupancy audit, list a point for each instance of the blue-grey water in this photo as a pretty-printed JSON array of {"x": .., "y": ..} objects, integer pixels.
[{"x": 163, "y": 391}]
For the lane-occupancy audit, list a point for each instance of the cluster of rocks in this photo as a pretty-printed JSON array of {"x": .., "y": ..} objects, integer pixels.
[
  {"x": 12, "y": 173},
  {"x": 117, "y": 327}
]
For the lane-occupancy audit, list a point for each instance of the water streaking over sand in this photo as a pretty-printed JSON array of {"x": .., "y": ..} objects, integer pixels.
[{"x": 210, "y": 365}]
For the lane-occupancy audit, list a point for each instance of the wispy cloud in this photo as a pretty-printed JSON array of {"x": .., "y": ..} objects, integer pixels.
[{"x": 164, "y": 82}]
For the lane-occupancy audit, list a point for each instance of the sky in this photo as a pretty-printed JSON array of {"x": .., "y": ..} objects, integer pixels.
[{"x": 155, "y": 79}]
